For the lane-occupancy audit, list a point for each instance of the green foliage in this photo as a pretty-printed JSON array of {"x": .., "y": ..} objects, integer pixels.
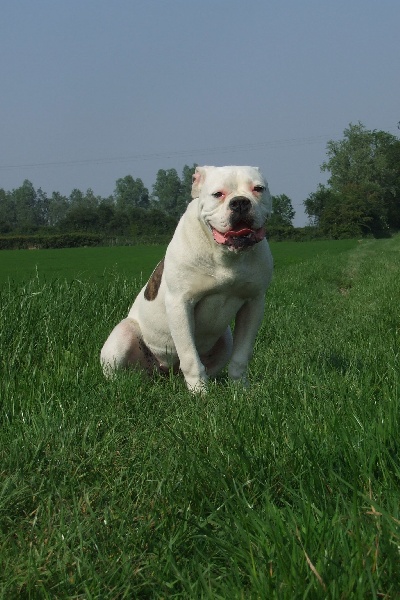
[
  {"x": 282, "y": 211},
  {"x": 361, "y": 157},
  {"x": 25, "y": 203},
  {"x": 128, "y": 213},
  {"x": 316, "y": 203},
  {"x": 363, "y": 193},
  {"x": 167, "y": 190},
  {"x": 393, "y": 185},
  {"x": 80, "y": 218},
  {"x": 172, "y": 194},
  {"x": 58, "y": 208},
  {"x": 130, "y": 194},
  {"x": 362, "y": 198},
  {"x": 133, "y": 488},
  {"x": 66, "y": 240},
  {"x": 7, "y": 212}
]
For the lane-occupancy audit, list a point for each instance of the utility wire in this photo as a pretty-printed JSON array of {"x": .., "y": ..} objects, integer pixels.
[
  {"x": 169, "y": 154},
  {"x": 273, "y": 144}
]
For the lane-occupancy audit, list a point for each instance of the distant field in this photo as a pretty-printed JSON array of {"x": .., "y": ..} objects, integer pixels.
[
  {"x": 130, "y": 261},
  {"x": 133, "y": 488},
  {"x": 78, "y": 263}
]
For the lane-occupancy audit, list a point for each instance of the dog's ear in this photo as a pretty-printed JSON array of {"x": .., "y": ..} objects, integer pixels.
[{"x": 197, "y": 181}]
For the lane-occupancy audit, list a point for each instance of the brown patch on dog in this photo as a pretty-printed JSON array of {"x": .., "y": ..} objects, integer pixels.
[
  {"x": 137, "y": 354},
  {"x": 147, "y": 361},
  {"x": 153, "y": 285}
]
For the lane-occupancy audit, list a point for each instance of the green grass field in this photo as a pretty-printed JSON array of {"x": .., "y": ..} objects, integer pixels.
[
  {"x": 137, "y": 262},
  {"x": 135, "y": 489}
]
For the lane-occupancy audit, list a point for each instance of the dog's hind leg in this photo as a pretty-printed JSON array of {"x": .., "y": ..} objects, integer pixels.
[
  {"x": 219, "y": 355},
  {"x": 125, "y": 348}
]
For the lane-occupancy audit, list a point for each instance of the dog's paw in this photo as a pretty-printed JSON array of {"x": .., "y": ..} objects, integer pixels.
[
  {"x": 237, "y": 371},
  {"x": 197, "y": 386},
  {"x": 241, "y": 383},
  {"x": 109, "y": 369}
]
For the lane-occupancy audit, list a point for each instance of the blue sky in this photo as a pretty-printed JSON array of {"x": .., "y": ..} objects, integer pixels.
[{"x": 93, "y": 90}]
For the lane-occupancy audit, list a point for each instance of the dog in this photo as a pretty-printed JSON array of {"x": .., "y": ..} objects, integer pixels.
[{"x": 216, "y": 269}]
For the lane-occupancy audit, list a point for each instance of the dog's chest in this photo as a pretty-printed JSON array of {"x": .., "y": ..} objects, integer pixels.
[
  {"x": 222, "y": 300},
  {"x": 215, "y": 311},
  {"x": 244, "y": 281}
]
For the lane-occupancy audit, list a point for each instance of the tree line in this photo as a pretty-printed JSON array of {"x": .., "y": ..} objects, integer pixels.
[
  {"x": 131, "y": 211},
  {"x": 361, "y": 197}
]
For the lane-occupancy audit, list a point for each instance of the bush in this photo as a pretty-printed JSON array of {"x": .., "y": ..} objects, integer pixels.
[
  {"x": 67, "y": 240},
  {"x": 77, "y": 240},
  {"x": 280, "y": 233}
]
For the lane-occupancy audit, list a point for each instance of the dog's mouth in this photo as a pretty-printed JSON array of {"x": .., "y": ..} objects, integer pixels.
[{"x": 239, "y": 238}]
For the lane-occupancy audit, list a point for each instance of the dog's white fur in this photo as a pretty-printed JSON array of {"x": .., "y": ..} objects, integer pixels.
[{"x": 204, "y": 285}]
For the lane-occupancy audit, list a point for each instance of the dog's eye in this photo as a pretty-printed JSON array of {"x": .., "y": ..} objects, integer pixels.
[
  {"x": 217, "y": 194},
  {"x": 259, "y": 188}
]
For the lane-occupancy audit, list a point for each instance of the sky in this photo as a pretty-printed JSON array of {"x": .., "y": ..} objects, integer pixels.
[{"x": 94, "y": 90}]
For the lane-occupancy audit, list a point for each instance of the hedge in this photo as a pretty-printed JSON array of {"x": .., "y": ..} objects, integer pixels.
[
  {"x": 76, "y": 240},
  {"x": 67, "y": 240}
]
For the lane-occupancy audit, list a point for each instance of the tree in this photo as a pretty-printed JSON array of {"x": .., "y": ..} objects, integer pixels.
[
  {"x": 363, "y": 192},
  {"x": 42, "y": 207},
  {"x": 282, "y": 211},
  {"x": 90, "y": 200},
  {"x": 26, "y": 216},
  {"x": 7, "y": 212},
  {"x": 353, "y": 213},
  {"x": 316, "y": 203},
  {"x": 58, "y": 208},
  {"x": 76, "y": 198},
  {"x": 130, "y": 193},
  {"x": 185, "y": 195},
  {"x": 106, "y": 214},
  {"x": 167, "y": 192},
  {"x": 361, "y": 157},
  {"x": 393, "y": 199},
  {"x": 80, "y": 218}
]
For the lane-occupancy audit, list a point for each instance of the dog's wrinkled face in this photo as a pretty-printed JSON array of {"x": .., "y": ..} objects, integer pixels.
[{"x": 234, "y": 203}]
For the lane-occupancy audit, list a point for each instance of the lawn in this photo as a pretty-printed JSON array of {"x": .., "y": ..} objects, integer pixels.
[
  {"x": 133, "y": 488},
  {"x": 85, "y": 264},
  {"x": 134, "y": 262}
]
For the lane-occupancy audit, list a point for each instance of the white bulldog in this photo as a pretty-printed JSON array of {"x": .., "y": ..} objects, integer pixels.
[{"x": 217, "y": 268}]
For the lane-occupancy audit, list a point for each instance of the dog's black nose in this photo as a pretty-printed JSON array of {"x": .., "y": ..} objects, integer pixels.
[{"x": 240, "y": 204}]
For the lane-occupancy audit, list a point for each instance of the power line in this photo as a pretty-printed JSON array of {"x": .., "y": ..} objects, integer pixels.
[
  {"x": 170, "y": 154},
  {"x": 273, "y": 144}
]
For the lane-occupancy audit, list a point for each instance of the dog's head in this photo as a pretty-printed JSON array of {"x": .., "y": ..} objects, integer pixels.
[{"x": 234, "y": 203}]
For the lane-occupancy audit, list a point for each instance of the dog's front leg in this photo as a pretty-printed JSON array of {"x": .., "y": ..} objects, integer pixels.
[
  {"x": 180, "y": 314},
  {"x": 247, "y": 323}
]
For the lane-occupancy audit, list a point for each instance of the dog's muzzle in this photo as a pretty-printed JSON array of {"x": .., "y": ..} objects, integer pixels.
[
  {"x": 239, "y": 238},
  {"x": 242, "y": 234}
]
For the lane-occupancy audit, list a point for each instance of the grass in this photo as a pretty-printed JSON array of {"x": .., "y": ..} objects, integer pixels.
[
  {"x": 134, "y": 262},
  {"x": 136, "y": 489},
  {"x": 88, "y": 264}
]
